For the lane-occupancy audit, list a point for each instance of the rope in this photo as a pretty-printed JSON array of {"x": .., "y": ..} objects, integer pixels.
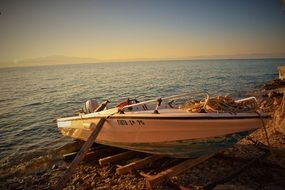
[
  {"x": 220, "y": 104},
  {"x": 227, "y": 104}
]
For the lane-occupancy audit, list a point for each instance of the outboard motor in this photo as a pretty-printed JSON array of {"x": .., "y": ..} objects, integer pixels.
[{"x": 90, "y": 106}]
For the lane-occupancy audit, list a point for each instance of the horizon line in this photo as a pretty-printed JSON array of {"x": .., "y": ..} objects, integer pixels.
[{"x": 141, "y": 60}]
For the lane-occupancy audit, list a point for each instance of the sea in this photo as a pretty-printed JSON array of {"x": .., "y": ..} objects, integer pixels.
[{"x": 32, "y": 98}]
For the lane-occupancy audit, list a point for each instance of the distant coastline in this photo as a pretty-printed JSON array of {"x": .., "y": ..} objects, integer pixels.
[{"x": 66, "y": 60}]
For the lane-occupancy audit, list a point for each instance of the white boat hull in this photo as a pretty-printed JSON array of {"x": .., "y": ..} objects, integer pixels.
[{"x": 173, "y": 132}]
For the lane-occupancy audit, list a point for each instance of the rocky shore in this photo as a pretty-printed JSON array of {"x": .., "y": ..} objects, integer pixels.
[{"x": 255, "y": 173}]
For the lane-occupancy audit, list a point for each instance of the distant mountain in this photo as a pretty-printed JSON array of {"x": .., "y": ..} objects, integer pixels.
[
  {"x": 235, "y": 56},
  {"x": 208, "y": 57},
  {"x": 60, "y": 59},
  {"x": 48, "y": 60}
]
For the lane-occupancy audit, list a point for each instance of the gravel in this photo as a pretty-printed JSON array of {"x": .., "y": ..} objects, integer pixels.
[{"x": 89, "y": 175}]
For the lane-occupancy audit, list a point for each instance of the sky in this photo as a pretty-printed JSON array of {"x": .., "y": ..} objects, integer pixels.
[{"x": 146, "y": 29}]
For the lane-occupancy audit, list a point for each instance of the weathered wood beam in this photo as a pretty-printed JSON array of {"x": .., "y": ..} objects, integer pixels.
[
  {"x": 175, "y": 170},
  {"x": 136, "y": 164},
  {"x": 115, "y": 158},
  {"x": 92, "y": 154},
  {"x": 102, "y": 153}
]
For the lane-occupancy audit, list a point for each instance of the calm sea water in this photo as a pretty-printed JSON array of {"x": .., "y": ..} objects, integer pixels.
[{"x": 32, "y": 98}]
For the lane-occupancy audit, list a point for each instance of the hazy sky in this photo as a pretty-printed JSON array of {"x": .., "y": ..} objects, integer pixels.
[{"x": 140, "y": 29}]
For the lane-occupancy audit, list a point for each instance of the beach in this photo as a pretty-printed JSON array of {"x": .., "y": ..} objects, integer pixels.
[
  {"x": 257, "y": 170},
  {"x": 142, "y": 94}
]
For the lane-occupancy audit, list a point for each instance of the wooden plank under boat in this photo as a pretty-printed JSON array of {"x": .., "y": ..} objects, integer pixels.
[{"x": 173, "y": 132}]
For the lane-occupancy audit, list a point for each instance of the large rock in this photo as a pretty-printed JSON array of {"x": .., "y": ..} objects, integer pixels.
[{"x": 281, "y": 72}]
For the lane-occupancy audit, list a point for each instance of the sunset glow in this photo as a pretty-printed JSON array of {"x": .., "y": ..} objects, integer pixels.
[{"x": 122, "y": 30}]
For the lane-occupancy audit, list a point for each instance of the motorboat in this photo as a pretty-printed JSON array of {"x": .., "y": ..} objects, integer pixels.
[{"x": 159, "y": 126}]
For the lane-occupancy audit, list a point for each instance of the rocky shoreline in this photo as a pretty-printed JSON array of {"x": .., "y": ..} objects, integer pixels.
[{"x": 268, "y": 173}]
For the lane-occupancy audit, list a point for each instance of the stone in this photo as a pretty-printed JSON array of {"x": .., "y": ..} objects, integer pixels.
[
  {"x": 54, "y": 167},
  {"x": 103, "y": 187},
  {"x": 93, "y": 184},
  {"x": 107, "y": 180},
  {"x": 77, "y": 180}
]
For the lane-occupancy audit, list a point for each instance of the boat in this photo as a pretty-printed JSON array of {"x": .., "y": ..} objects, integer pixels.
[{"x": 159, "y": 127}]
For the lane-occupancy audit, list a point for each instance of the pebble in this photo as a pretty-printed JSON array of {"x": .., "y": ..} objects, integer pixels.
[
  {"x": 77, "y": 180},
  {"x": 91, "y": 175},
  {"x": 54, "y": 167},
  {"x": 103, "y": 188},
  {"x": 93, "y": 184},
  {"x": 86, "y": 177}
]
